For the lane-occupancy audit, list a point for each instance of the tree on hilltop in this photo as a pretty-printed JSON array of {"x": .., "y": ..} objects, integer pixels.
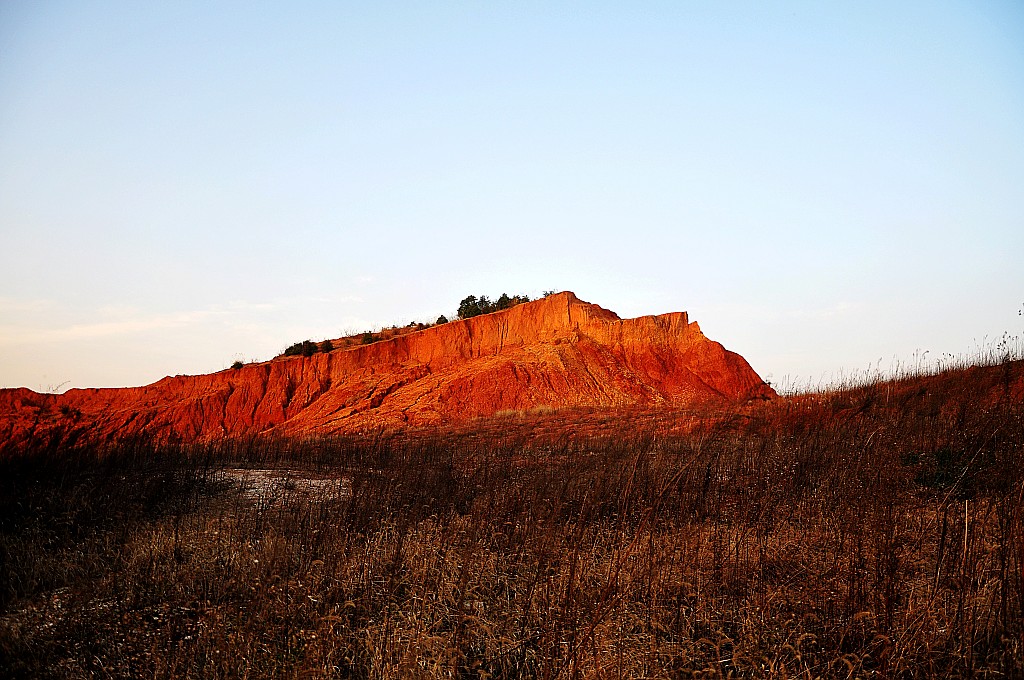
[{"x": 472, "y": 305}]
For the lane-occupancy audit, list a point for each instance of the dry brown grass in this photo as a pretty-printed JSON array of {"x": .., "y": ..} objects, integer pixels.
[{"x": 873, "y": 531}]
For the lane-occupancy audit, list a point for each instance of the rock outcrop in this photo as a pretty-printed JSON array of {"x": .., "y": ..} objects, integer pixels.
[{"x": 555, "y": 352}]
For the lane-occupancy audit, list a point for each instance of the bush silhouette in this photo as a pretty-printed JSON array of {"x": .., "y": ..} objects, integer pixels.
[
  {"x": 306, "y": 348},
  {"x": 475, "y": 306}
]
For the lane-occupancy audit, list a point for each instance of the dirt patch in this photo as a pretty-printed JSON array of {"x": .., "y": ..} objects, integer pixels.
[{"x": 272, "y": 486}]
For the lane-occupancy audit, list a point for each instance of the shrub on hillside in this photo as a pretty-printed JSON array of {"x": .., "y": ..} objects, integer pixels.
[{"x": 306, "y": 348}]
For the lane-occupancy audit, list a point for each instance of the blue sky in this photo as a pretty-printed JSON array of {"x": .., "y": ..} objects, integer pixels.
[{"x": 823, "y": 186}]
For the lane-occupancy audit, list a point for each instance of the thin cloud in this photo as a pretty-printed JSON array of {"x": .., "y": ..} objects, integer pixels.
[
  {"x": 85, "y": 331},
  {"x": 13, "y": 306},
  {"x": 123, "y": 320}
]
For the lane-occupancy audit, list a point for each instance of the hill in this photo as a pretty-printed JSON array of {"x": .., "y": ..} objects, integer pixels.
[
  {"x": 557, "y": 352},
  {"x": 868, "y": 530}
]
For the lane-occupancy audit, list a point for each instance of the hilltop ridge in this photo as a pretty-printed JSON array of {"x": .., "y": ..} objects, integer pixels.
[{"x": 555, "y": 352}]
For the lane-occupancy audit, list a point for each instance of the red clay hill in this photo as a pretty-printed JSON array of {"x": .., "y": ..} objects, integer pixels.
[{"x": 556, "y": 352}]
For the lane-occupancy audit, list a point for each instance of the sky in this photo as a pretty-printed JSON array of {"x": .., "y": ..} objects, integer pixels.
[{"x": 827, "y": 188}]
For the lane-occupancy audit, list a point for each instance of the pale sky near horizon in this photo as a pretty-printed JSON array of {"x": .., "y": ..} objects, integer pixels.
[{"x": 824, "y": 187}]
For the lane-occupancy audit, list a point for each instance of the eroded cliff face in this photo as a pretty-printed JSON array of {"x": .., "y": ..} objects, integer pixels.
[{"x": 557, "y": 352}]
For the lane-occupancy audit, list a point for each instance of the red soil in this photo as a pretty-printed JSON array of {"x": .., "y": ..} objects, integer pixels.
[{"x": 554, "y": 353}]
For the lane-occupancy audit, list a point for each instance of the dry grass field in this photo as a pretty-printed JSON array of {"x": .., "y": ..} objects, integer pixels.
[{"x": 873, "y": 530}]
